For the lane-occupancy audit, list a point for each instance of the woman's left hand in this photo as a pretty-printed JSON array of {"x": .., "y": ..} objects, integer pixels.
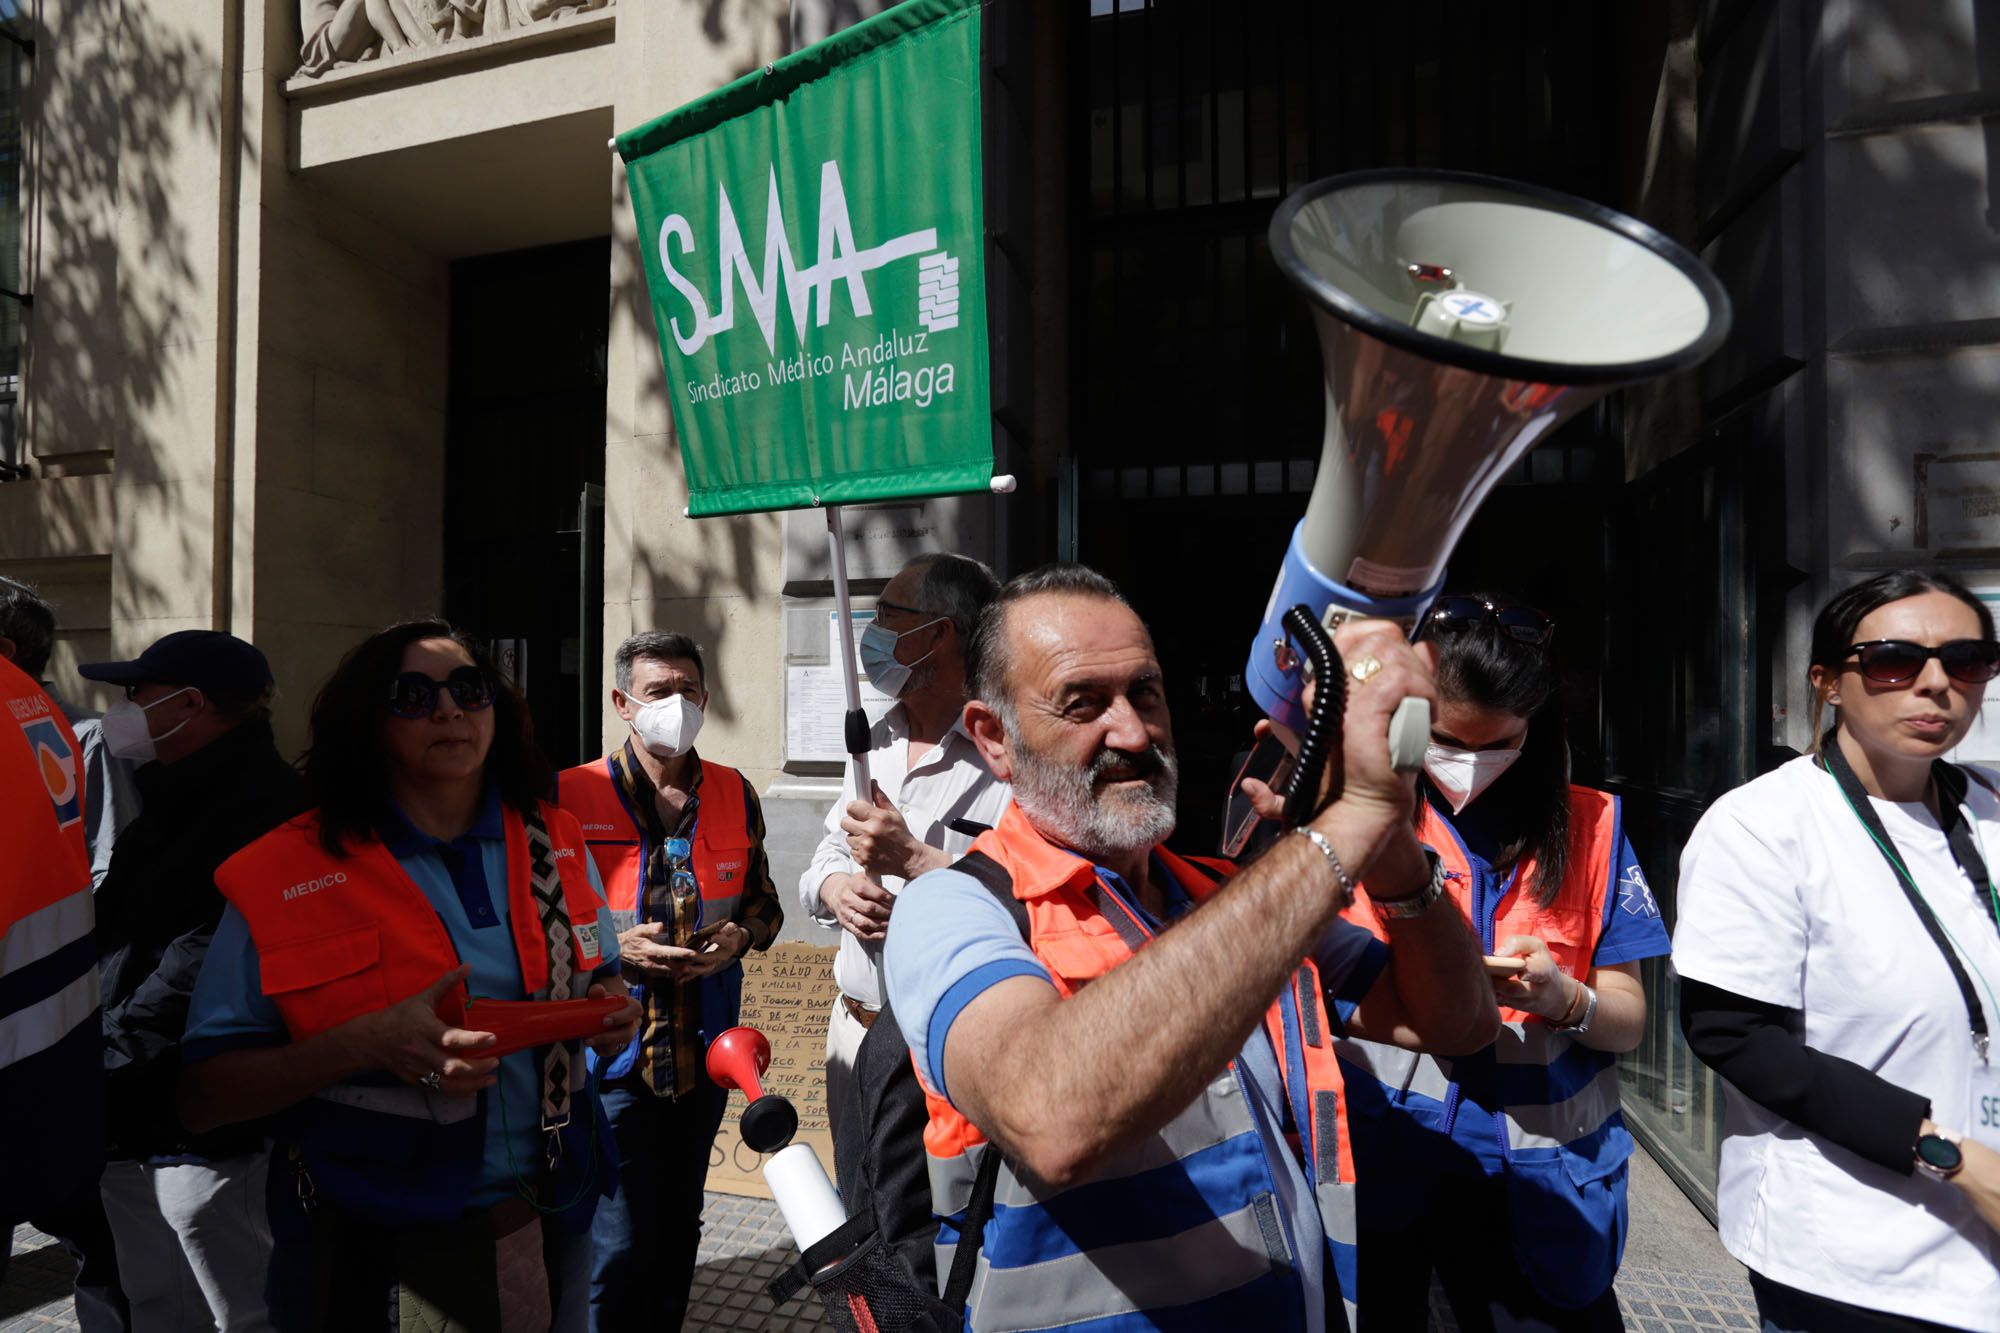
[
  {"x": 620, "y": 1027},
  {"x": 1540, "y": 987}
]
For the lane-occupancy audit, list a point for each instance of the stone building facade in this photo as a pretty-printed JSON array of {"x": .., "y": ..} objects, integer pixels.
[{"x": 338, "y": 317}]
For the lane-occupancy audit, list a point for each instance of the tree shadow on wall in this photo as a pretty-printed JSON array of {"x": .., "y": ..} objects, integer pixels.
[{"x": 123, "y": 209}]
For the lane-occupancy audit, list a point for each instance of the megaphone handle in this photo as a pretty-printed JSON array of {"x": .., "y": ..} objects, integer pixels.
[{"x": 1409, "y": 734}]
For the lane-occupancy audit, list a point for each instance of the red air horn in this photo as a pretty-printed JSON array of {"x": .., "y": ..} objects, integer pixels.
[{"x": 737, "y": 1059}]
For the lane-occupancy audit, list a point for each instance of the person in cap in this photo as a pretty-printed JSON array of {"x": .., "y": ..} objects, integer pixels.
[{"x": 182, "y": 1207}]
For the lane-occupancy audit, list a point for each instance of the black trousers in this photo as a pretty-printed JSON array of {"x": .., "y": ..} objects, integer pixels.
[
  {"x": 1789, "y": 1310},
  {"x": 1464, "y": 1239}
]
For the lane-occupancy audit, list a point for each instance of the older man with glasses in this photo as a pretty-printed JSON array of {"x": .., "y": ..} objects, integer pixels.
[{"x": 679, "y": 841}]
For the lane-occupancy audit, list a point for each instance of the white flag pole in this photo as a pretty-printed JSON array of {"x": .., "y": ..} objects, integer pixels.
[{"x": 856, "y": 734}]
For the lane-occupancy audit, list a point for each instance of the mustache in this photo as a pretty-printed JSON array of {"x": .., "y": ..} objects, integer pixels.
[{"x": 1125, "y": 765}]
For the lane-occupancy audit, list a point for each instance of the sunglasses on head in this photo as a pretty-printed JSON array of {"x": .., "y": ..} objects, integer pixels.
[
  {"x": 1898, "y": 661},
  {"x": 1456, "y": 615},
  {"x": 413, "y": 694}
]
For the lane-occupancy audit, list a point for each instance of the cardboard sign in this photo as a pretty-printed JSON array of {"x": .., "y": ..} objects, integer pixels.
[{"x": 788, "y": 991}]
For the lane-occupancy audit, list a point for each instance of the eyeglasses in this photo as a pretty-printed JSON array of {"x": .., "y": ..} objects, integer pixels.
[
  {"x": 1456, "y": 615},
  {"x": 413, "y": 694},
  {"x": 1897, "y": 661},
  {"x": 883, "y": 604}
]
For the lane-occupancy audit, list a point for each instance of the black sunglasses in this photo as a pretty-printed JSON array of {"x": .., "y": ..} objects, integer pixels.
[
  {"x": 413, "y": 694},
  {"x": 1897, "y": 661},
  {"x": 1456, "y": 615}
]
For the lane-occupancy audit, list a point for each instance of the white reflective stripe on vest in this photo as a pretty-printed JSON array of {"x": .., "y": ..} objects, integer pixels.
[
  {"x": 33, "y": 1029},
  {"x": 1207, "y": 1260},
  {"x": 1394, "y": 1067},
  {"x": 1566, "y": 1121},
  {"x": 952, "y": 1180},
  {"x": 1215, "y": 1117},
  {"x": 412, "y": 1103},
  {"x": 1336, "y": 1213},
  {"x": 1530, "y": 1044},
  {"x": 39, "y": 934}
]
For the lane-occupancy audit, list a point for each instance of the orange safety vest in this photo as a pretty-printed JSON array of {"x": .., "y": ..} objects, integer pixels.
[
  {"x": 1080, "y": 930},
  {"x": 1565, "y": 1142},
  {"x": 51, "y": 1056},
  {"x": 342, "y": 936},
  {"x": 622, "y": 851}
]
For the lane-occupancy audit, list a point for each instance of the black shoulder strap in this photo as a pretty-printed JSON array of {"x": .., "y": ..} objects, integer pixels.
[
  {"x": 994, "y": 877},
  {"x": 979, "y": 1209}
]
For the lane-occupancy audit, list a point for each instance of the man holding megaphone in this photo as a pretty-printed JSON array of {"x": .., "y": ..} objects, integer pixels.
[{"x": 1144, "y": 1037}]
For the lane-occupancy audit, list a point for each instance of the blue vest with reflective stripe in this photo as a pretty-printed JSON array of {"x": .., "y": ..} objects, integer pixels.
[
  {"x": 1549, "y": 1123},
  {"x": 1183, "y": 1229}
]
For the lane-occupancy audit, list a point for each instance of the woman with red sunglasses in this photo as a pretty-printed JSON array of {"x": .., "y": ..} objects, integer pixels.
[
  {"x": 1838, "y": 945},
  {"x": 1504, "y": 1171}
]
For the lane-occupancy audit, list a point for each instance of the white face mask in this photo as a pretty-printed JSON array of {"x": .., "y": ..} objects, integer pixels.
[
  {"x": 667, "y": 727},
  {"x": 1460, "y": 775},
  {"x": 125, "y": 732}
]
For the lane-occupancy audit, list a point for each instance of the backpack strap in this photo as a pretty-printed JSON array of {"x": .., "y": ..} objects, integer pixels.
[{"x": 993, "y": 877}]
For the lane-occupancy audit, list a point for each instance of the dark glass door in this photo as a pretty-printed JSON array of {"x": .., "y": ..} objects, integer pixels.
[{"x": 525, "y": 438}]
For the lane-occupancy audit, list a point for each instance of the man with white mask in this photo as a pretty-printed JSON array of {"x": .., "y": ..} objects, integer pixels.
[
  {"x": 187, "y": 1210},
  {"x": 679, "y": 843},
  {"x": 933, "y": 793}
]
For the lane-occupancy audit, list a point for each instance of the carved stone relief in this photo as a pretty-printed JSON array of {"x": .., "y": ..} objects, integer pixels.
[{"x": 340, "y": 32}]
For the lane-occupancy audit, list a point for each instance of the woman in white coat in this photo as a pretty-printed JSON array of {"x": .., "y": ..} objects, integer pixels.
[{"x": 1838, "y": 944}]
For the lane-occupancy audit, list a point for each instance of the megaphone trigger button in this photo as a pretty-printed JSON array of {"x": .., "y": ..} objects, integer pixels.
[{"x": 1284, "y": 657}]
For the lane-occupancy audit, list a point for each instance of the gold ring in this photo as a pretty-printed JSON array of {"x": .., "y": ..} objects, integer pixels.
[{"x": 1364, "y": 669}]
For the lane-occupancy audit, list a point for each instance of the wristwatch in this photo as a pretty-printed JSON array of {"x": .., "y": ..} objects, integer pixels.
[
  {"x": 1938, "y": 1155},
  {"x": 1415, "y": 904}
]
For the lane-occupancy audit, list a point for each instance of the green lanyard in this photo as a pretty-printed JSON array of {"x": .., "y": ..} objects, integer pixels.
[{"x": 1963, "y": 850}]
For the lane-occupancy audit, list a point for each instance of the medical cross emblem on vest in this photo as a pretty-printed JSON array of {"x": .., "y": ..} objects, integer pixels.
[{"x": 546, "y": 884}]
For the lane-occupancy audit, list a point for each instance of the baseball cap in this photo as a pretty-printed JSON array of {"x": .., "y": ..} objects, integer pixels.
[{"x": 219, "y": 665}]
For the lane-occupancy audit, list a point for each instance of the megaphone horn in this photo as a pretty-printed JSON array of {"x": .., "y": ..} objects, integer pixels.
[{"x": 1461, "y": 319}]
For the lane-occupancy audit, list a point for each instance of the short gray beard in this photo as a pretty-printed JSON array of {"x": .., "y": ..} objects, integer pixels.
[{"x": 1062, "y": 800}]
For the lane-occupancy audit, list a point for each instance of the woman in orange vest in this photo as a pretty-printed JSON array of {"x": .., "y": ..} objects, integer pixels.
[
  {"x": 429, "y": 1177},
  {"x": 1505, "y": 1170}
]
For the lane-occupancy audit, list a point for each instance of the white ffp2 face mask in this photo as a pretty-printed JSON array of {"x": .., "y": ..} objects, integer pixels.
[
  {"x": 126, "y": 732},
  {"x": 1460, "y": 775},
  {"x": 667, "y": 727}
]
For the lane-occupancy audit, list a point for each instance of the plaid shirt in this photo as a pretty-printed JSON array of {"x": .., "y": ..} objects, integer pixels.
[{"x": 670, "y": 1050}]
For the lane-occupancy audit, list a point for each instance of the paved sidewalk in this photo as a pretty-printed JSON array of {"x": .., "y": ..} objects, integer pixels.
[{"x": 1676, "y": 1278}]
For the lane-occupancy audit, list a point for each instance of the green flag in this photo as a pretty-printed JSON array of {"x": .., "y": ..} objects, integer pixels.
[{"x": 814, "y": 249}]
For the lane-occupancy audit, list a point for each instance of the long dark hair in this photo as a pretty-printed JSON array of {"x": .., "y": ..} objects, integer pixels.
[
  {"x": 1840, "y": 619},
  {"x": 1484, "y": 666},
  {"x": 347, "y": 761}
]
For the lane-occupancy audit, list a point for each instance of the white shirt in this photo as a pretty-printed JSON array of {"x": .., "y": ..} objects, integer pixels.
[
  {"x": 1785, "y": 898},
  {"x": 949, "y": 782}
]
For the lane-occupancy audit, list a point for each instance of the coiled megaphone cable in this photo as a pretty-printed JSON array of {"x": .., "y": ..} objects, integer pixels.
[{"x": 1321, "y": 745}]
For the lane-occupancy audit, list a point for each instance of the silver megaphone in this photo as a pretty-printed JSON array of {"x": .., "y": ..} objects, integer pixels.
[{"x": 1461, "y": 319}]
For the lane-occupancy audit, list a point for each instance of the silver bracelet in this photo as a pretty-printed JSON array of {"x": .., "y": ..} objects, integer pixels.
[
  {"x": 1418, "y": 903},
  {"x": 1318, "y": 840}
]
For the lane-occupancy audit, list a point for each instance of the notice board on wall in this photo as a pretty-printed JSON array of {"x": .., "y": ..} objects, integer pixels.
[{"x": 788, "y": 992}]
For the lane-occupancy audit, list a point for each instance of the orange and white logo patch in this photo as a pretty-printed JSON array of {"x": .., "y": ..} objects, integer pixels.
[{"x": 56, "y": 761}]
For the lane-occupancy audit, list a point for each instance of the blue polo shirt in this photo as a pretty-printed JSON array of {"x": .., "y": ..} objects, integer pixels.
[
  {"x": 465, "y": 882},
  {"x": 950, "y": 941}
]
